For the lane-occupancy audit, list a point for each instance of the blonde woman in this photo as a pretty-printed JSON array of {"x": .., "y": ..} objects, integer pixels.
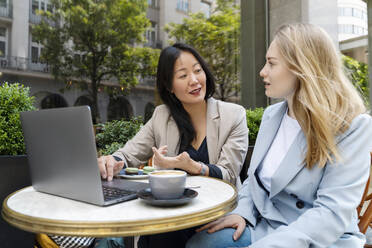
[{"x": 311, "y": 159}]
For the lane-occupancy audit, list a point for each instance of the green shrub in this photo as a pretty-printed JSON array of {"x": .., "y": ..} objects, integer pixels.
[
  {"x": 357, "y": 72},
  {"x": 113, "y": 135},
  {"x": 14, "y": 98},
  {"x": 253, "y": 122}
]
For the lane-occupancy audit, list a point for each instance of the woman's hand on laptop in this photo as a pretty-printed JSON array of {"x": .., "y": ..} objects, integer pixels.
[{"x": 108, "y": 166}]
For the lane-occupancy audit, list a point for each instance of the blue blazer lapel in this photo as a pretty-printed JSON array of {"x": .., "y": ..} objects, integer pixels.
[
  {"x": 291, "y": 164},
  {"x": 268, "y": 129}
]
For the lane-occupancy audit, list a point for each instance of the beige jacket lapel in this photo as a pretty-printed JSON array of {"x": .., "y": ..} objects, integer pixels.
[
  {"x": 213, "y": 127},
  {"x": 173, "y": 138}
]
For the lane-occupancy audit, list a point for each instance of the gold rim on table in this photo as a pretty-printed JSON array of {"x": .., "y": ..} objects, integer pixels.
[{"x": 104, "y": 229}]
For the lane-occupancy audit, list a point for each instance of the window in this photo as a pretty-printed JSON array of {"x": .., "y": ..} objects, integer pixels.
[
  {"x": 3, "y": 3},
  {"x": 183, "y": 5},
  {"x": 35, "y": 6},
  {"x": 206, "y": 9},
  {"x": 364, "y": 16},
  {"x": 348, "y": 29},
  {"x": 34, "y": 54},
  {"x": 49, "y": 7},
  {"x": 357, "y": 13},
  {"x": 151, "y": 34},
  {"x": 41, "y": 5},
  {"x": 348, "y": 11},
  {"x": 359, "y": 30},
  {"x": 3, "y": 41},
  {"x": 152, "y": 3},
  {"x": 36, "y": 49}
]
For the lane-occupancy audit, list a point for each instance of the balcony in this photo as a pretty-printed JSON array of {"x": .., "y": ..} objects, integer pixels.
[
  {"x": 153, "y": 44},
  {"x": 6, "y": 10},
  {"x": 35, "y": 19},
  {"x": 22, "y": 64}
]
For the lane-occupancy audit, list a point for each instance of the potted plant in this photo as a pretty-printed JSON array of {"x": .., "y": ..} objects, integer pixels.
[
  {"x": 14, "y": 172},
  {"x": 253, "y": 122}
]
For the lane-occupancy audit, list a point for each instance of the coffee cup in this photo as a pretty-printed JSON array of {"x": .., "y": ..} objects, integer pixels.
[{"x": 167, "y": 184}]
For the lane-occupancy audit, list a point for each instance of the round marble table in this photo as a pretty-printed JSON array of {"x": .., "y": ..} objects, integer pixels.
[{"x": 38, "y": 212}]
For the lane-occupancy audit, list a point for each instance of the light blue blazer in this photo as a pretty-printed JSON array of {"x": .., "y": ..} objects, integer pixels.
[{"x": 307, "y": 208}]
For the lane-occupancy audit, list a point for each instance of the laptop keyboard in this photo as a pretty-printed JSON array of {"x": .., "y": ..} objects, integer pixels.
[{"x": 114, "y": 193}]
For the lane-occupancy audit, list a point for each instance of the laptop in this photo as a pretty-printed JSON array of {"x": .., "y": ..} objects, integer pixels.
[{"x": 62, "y": 156}]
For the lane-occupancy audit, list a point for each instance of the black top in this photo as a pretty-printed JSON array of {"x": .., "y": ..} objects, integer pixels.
[{"x": 201, "y": 155}]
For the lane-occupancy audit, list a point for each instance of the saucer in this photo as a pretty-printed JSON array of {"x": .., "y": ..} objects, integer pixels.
[
  {"x": 140, "y": 175},
  {"x": 187, "y": 196}
]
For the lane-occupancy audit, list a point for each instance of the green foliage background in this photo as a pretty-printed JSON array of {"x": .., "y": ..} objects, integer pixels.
[
  {"x": 87, "y": 42},
  {"x": 14, "y": 98},
  {"x": 253, "y": 122},
  {"x": 217, "y": 39},
  {"x": 113, "y": 135},
  {"x": 358, "y": 74}
]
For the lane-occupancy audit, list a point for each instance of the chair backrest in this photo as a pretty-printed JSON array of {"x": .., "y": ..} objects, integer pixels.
[
  {"x": 244, "y": 171},
  {"x": 365, "y": 218}
]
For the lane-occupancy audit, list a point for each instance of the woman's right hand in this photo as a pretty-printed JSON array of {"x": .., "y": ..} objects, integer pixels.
[
  {"x": 108, "y": 166},
  {"x": 163, "y": 150},
  {"x": 234, "y": 221}
]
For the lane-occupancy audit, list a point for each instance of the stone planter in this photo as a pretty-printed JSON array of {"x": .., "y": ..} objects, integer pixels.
[{"x": 14, "y": 175}]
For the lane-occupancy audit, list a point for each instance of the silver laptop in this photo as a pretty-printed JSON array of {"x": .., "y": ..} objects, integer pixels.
[{"x": 62, "y": 155}]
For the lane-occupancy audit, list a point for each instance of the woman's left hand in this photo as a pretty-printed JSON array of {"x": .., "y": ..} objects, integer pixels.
[
  {"x": 232, "y": 221},
  {"x": 182, "y": 161}
]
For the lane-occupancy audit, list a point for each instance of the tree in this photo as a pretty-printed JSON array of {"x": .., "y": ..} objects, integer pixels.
[
  {"x": 217, "y": 39},
  {"x": 87, "y": 42}
]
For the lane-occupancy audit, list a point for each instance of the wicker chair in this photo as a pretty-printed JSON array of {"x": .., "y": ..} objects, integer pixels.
[{"x": 365, "y": 218}]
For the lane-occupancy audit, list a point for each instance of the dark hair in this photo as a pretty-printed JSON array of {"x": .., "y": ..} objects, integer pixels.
[{"x": 164, "y": 82}]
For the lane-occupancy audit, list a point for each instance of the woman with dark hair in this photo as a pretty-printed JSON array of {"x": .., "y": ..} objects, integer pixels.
[{"x": 191, "y": 131}]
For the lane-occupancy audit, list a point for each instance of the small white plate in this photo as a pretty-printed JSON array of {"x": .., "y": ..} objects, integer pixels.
[{"x": 140, "y": 175}]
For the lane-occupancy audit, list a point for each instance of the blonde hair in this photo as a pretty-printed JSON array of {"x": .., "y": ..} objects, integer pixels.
[{"x": 325, "y": 102}]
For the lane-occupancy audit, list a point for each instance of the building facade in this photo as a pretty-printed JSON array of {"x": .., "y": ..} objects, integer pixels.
[
  {"x": 353, "y": 29},
  {"x": 19, "y": 57},
  {"x": 352, "y": 19},
  {"x": 259, "y": 21}
]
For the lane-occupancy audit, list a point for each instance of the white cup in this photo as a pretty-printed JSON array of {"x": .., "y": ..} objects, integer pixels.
[{"x": 167, "y": 184}]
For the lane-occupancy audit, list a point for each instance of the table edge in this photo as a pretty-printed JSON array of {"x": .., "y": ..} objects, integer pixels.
[{"x": 117, "y": 228}]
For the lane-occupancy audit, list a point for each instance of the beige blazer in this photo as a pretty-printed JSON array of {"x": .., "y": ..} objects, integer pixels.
[{"x": 227, "y": 138}]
